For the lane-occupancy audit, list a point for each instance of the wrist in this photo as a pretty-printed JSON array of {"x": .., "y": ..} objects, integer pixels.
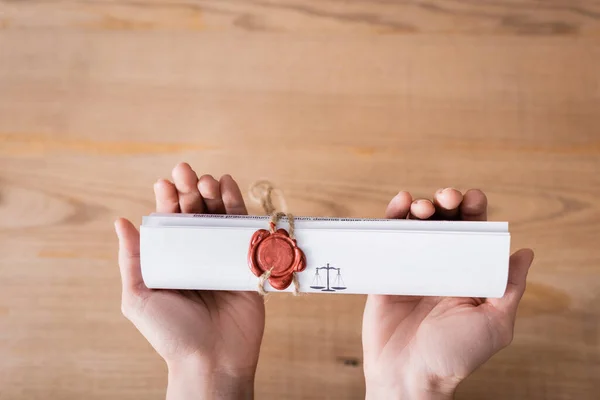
[
  {"x": 413, "y": 388},
  {"x": 193, "y": 379}
]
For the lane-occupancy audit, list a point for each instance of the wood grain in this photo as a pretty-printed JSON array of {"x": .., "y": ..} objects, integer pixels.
[{"x": 352, "y": 101}]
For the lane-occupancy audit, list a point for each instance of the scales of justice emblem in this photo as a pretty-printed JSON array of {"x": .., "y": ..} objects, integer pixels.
[{"x": 338, "y": 282}]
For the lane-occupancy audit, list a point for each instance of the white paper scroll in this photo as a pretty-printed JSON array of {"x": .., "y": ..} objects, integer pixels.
[{"x": 432, "y": 258}]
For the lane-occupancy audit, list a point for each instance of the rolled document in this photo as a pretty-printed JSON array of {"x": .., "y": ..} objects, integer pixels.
[{"x": 342, "y": 255}]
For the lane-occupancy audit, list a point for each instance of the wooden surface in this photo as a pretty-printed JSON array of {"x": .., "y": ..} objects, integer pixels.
[{"x": 342, "y": 104}]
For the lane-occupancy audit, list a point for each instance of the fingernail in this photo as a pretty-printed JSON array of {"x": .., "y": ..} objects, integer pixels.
[{"x": 158, "y": 183}]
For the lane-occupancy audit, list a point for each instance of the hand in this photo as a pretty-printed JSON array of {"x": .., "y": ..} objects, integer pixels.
[
  {"x": 421, "y": 347},
  {"x": 210, "y": 340}
]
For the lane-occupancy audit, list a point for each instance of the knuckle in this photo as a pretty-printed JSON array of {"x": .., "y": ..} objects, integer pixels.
[
  {"x": 124, "y": 310},
  {"x": 506, "y": 336},
  {"x": 509, "y": 339},
  {"x": 132, "y": 304},
  {"x": 127, "y": 306}
]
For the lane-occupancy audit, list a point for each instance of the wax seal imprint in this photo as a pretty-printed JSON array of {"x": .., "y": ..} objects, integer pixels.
[{"x": 275, "y": 251}]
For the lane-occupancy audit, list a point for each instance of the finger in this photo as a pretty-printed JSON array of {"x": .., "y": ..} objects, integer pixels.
[
  {"x": 167, "y": 199},
  {"x": 211, "y": 193},
  {"x": 421, "y": 209},
  {"x": 447, "y": 202},
  {"x": 232, "y": 196},
  {"x": 517, "y": 276},
  {"x": 186, "y": 182},
  {"x": 474, "y": 206},
  {"x": 399, "y": 206},
  {"x": 129, "y": 258}
]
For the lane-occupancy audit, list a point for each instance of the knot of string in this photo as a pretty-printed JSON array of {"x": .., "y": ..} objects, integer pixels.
[{"x": 261, "y": 192}]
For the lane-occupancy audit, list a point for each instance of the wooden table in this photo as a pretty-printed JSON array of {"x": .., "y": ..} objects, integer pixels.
[{"x": 341, "y": 104}]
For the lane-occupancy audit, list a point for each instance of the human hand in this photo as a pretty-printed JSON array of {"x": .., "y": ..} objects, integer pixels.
[
  {"x": 210, "y": 340},
  {"x": 419, "y": 347}
]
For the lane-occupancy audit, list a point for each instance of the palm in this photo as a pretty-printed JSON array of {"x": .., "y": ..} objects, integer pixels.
[
  {"x": 229, "y": 324},
  {"x": 225, "y": 328},
  {"x": 431, "y": 334},
  {"x": 441, "y": 337}
]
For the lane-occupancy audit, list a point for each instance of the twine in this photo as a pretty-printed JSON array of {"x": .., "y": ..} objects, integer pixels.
[
  {"x": 261, "y": 282},
  {"x": 264, "y": 197},
  {"x": 261, "y": 192},
  {"x": 276, "y": 216}
]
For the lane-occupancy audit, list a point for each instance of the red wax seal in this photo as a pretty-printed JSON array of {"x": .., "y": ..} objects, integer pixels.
[{"x": 275, "y": 251}]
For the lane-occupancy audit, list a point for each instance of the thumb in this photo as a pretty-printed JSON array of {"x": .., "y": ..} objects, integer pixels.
[
  {"x": 129, "y": 258},
  {"x": 519, "y": 265}
]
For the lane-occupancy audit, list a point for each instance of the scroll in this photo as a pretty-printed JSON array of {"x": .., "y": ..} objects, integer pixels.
[{"x": 325, "y": 255}]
